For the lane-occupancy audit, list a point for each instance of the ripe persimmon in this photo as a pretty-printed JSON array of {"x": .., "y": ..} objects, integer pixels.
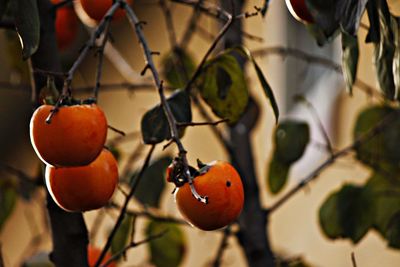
[
  {"x": 74, "y": 137},
  {"x": 299, "y": 10},
  {"x": 83, "y": 188},
  {"x": 221, "y": 183},
  {"x": 96, "y": 9},
  {"x": 93, "y": 254},
  {"x": 66, "y": 25}
]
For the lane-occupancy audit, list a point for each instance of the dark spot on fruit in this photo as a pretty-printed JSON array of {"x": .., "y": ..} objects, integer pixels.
[{"x": 228, "y": 183}]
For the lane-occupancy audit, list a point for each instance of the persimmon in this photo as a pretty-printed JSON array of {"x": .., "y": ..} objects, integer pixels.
[
  {"x": 299, "y": 10},
  {"x": 96, "y": 9},
  {"x": 67, "y": 25},
  {"x": 74, "y": 137},
  {"x": 83, "y": 188},
  {"x": 93, "y": 254},
  {"x": 221, "y": 183}
]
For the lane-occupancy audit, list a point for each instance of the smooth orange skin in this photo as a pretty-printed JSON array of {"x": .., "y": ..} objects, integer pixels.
[
  {"x": 299, "y": 10},
  {"x": 96, "y": 9},
  {"x": 224, "y": 202},
  {"x": 83, "y": 188},
  {"x": 75, "y": 136},
  {"x": 94, "y": 254},
  {"x": 66, "y": 25}
]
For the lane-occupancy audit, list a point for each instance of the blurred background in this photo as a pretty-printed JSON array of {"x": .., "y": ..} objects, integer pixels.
[{"x": 294, "y": 229}]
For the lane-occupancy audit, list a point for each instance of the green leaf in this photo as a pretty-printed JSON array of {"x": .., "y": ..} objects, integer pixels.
[
  {"x": 382, "y": 151},
  {"x": 168, "y": 250},
  {"x": 8, "y": 199},
  {"x": 178, "y": 66},
  {"x": 291, "y": 138},
  {"x": 347, "y": 213},
  {"x": 264, "y": 83},
  {"x": 154, "y": 124},
  {"x": 223, "y": 86},
  {"x": 120, "y": 239},
  {"x": 277, "y": 175},
  {"x": 152, "y": 183},
  {"x": 349, "y": 59},
  {"x": 384, "y": 53},
  {"x": 27, "y": 23}
]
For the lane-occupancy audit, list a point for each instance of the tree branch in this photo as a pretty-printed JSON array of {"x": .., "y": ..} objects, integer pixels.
[{"x": 124, "y": 207}]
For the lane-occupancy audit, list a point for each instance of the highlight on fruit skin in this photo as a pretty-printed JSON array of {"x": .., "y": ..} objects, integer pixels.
[
  {"x": 222, "y": 185},
  {"x": 74, "y": 137},
  {"x": 299, "y": 11},
  {"x": 83, "y": 188}
]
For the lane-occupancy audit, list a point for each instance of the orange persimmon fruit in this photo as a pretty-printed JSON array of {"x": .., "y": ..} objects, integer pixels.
[
  {"x": 93, "y": 254},
  {"x": 83, "y": 188},
  {"x": 66, "y": 25},
  {"x": 96, "y": 9},
  {"x": 74, "y": 137},
  {"x": 221, "y": 183},
  {"x": 299, "y": 10}
]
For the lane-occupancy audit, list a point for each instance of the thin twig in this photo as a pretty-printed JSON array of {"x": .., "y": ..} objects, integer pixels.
[
  {"x": 353, "y": 259},
  {"x": 66, "y": 91},
  {"x": 186, "y": 124},
  {"x": 62, "y": 3},
  {"x": 314, "y": 174},
  {"x": 317, "y": 119},
  {"x": 222, "y": 246},
  {"x": 1, "y": 257},
  {"x": 135, "y": 23},
  {"x": 209, "y": 51},
  {"x": 150, "y": 215},
  {"x": 116, "y": 130},
  {"x": 115, "y": 141},
  {"x": 18, "y": 173},
  {"x": 100, "y": 53},
  {"x": 125, "y": 206},
  {"x": 132, "y": 245},
  {"x": 192, "y": 25}
]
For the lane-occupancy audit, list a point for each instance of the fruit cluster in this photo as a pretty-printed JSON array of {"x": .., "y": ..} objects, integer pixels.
[{"x": 80, "y": 174}]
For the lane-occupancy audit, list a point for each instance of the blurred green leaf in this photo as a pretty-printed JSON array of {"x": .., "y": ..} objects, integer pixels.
[
  {"x": 154, "y": 124},
  {"x": 393, "y": 231},
  {"x": 40, "y": 259},
  {"x": 396, "y": 57},
  {"x": 27, "y": 23},
  {"x": 277, "y": 175},
  {"x": 291, "y": 138},
  {"x": 120, "y": 239},
  {"x": 8, "y": 199},
  {"x": 382, "y": 151},
  {"x": 349, "y": 59},
  {"x": 386, "y": 195},
  {"x": 152, "y": 183},
  {"x": 384, "y": 53},
  {"x": 264, "y": 83},
  {"x": 178, "y": 67},
  {"x": 347, "y": 213},
  {"x": 168, "y": 250},
  {"x": 223, "y": 86}
]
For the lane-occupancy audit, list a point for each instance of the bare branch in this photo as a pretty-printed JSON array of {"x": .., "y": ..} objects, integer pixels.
[
  {"x": 125, "y": 206},
  {"x": 353, "y": 259},
  {"x": 132, "y": 245},
  {"x": 116, "y": 130},
  {"x": 222, "y": 246},
  {"x": 186, "y": 124}
]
